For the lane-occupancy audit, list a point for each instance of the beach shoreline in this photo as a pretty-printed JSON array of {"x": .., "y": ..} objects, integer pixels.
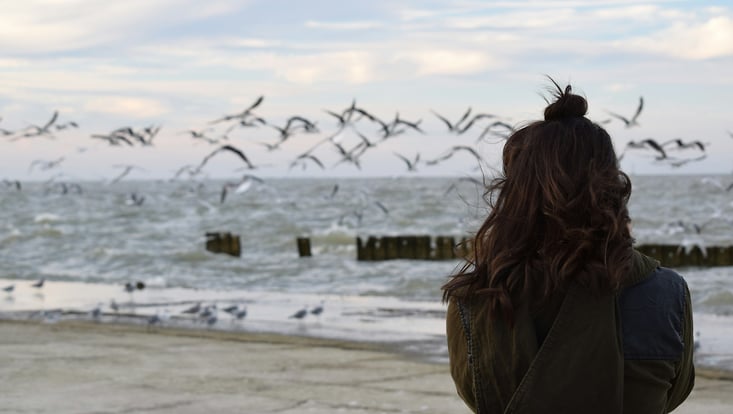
[{"x": 79, "y": 366}]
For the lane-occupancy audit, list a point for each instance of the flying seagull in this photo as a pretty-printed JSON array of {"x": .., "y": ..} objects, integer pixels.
[
  {"x": 240, "y": 186},
  {"x": 411, "y": 164},
  {"x": 630, "y": 122},
  {"x": 231, "y": 149},
  {"x": 647, "y": 143},
  {"x": 242, "y": 115}
]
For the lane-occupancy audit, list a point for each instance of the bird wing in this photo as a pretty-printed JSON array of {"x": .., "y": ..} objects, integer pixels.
[
  {"x": 381, "y": 207},
  {"x": 638, "y": 110},
  {"x": 626, "y": 121},
  {"x": 232, "y": 149},
  {"x": 447, "y": 122},
  {"x": 51, "y": 121},
  {"x": 403, "y": 158},
  {"x": 255, "y": 104},
  {"x": 464, "y": 117},
  {"x": 316, "y": 160},
  {"x": 339, "y": 117},
  {"x": 469, "y": 149}
]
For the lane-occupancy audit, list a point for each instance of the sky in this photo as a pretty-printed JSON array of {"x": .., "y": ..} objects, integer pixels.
[{"x": 180, "y": 65}]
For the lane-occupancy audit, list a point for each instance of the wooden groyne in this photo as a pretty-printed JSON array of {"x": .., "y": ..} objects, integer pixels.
[
  {"x": 426, "y": 247},
  {"x": 226, "y": 243},
  {"x": 670, "y": 255},
  {"x": 416, "y": 247}
]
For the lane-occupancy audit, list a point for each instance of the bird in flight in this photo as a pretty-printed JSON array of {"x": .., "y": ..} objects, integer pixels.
[
  {"x": 646, "y": 143},
  {"x": 679, "y": 144},
  {"x": 35, "y": 130},
  {"x": 242, "y": 115},
  {"x": 127, "y": 170},
  {"x": 236, "y": 151},
  {"x": 300, "y": 160},
  {"x": 239, "y": 186},
  {"x": 454, "y": 127},
  {"x": 411, "y": 164},
  {"x": 633, "y": 121}
]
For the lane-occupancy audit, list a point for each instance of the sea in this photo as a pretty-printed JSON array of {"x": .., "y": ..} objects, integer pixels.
[{"x": 88, "y": 239}]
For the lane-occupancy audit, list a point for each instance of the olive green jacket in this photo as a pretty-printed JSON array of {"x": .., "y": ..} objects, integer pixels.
[{"x": 629, "y": 352}]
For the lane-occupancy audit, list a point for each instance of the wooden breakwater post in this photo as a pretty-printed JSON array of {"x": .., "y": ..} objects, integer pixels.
[
  {"x": 304, "y": 246},
  {"x": 227, "y": 243},
  {"x": 670, "y": 255},
  {"x": 415, "y": 247}
]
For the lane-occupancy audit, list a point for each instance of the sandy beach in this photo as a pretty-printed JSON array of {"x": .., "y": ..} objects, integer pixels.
[{"x": 86, "y": 367}]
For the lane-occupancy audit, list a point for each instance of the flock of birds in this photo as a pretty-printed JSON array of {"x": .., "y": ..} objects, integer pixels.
[
  {"x": 346, "y": 140},
  {"x": 200, "y": 313},
  {"x": 206, "y": 314}
]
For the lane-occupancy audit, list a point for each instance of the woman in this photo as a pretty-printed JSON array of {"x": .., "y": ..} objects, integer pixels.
[{"x": 556, "y": 312}]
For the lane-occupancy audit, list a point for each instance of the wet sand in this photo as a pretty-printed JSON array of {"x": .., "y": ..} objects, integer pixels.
[{"x": 86, "y": 367}]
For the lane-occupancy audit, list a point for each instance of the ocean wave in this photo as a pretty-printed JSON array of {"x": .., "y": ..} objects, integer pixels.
[
  {"x": 46, "y": 218},
  {"x": 716, "y": 303}
]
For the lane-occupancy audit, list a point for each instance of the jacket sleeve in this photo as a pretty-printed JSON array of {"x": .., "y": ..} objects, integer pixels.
[
  {"x": 685, "y": 370},
  {"x": 458, "y": 355}
]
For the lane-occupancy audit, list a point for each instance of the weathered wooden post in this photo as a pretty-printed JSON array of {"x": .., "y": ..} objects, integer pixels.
[
  {"x": 669, "y": 255},
  {"x": 444, "y": 246},
  {"x": 391, "y": 247},
  {"x": 724, "y": 256},
  {"x": 304, "y": 246},
  {"x": 223, "y": 243},
  {"x": 371, "y": 248},
  {"x": 693, "y": 257},
  {"x": 423, "y": 247},
  {"x": 406, "y": 247},
  {"x": 377, "y": 246},
  {"x": 361, "y": 251}
]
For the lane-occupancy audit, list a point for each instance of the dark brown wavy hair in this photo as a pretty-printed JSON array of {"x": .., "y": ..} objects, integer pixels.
[{"x": 558, "y": 214}]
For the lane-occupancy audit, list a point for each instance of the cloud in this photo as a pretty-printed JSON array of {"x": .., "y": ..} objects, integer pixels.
[
  {"x": 352, "y": 25},
  {"x": 712, "y": 38},
  {"x": 126, "y": 106},
  {"x": 40, "y": 26},
  {"x": 449, "y": 62},
  {"x": 350, "y": 67}
]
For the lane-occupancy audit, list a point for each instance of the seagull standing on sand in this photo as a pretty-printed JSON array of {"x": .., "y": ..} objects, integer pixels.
[
  {"x": 132, "y": 287},
  {"x": 299, "y": 314},
  {"x": 158, "y": 318},
  {"x": 40, "y": 283},
  {"x": 193, "y": 309},
  {"x": 318, "y": 310},
  {"x": 96, "y": 313},
  {"x": 238, "y": 312},
  {"x": 9, "y": 289},
  {"x": 208, "y": 312},
  {"x": 211, "y": 316}
]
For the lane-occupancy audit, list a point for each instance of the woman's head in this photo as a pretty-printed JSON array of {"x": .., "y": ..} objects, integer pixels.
[{"x": 558, "y": 211}]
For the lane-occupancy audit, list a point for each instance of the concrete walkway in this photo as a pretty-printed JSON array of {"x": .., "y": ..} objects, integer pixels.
[{"x": 82, "y": 367}]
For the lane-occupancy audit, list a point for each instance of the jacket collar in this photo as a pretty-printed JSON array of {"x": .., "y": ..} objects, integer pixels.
[{"x": 641, "y": 267}]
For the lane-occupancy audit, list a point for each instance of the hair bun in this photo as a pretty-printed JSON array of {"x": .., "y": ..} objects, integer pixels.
[{"x": 566, "y": 105}]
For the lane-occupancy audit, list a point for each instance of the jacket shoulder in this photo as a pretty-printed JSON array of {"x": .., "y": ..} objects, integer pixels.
[{"x": 652, "y": 315}]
